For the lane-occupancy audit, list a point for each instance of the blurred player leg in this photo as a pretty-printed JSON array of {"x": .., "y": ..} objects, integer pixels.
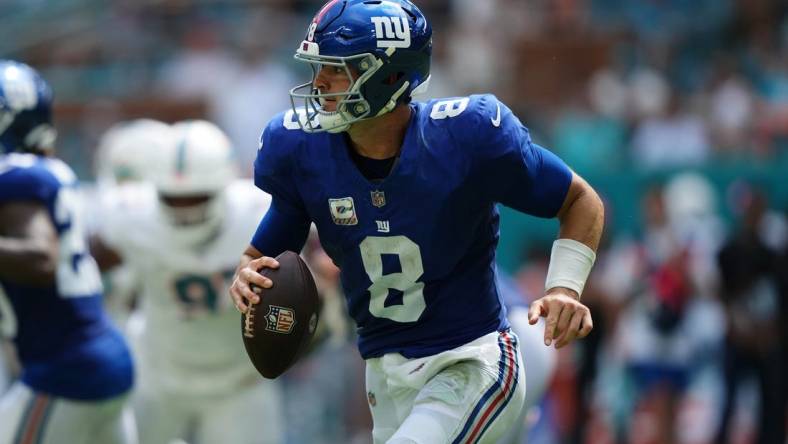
[
  {"x": 472, "y": 393},
  {"x": 5, "y": 376},
  {"x": 26, "y": 416},
  {"x": 12, "y": 408},
  {"x": 261, "y": 404},
  {"x": 161, "y": 417}
]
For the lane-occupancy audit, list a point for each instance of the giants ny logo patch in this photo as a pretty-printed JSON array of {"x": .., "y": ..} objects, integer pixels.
[
  {"x": 279, "y": 319},
  {"x": 392, "y": 32}
]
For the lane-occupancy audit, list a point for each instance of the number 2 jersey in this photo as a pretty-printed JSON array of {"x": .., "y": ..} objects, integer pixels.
[
  {"x": 190, "y": 341},
  {"x": 64, "y": 340},
  {"x": 417, "y": 250}
]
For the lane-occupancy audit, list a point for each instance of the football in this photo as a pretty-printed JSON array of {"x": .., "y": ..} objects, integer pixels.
[{"x": 277, "y": 330}]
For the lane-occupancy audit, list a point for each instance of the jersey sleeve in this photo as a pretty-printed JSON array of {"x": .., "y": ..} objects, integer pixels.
[
  {"x": 28, "y": 183},
  {"x": 513, "y": 170},
  {"x": 286, "y": 224},
  {"x": 279, "y": 232},
  {"x": 274, "y": 167}
]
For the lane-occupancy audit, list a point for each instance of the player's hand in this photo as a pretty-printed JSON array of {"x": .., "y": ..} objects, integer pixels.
[
  {"x": 248, "y": 282},
  {"x": 567, "y": 318}
]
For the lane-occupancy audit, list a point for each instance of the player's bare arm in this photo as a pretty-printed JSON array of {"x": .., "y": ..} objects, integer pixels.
[
  {"x": 28, "y": 244},
  {"x": 247, "y": 273},
  {"x": 106, "y": 257},
  {"x": 581, "y": 220}
]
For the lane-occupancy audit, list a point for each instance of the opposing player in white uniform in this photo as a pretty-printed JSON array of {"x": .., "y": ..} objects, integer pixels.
[
  {"x": 122, "y": 158},
  {"x": 181, "y": 234}
]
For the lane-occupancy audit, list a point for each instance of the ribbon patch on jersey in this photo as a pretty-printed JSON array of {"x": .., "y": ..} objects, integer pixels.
[
  {"x": 279, "y": 319},
  {"x": 342, "y": 211}
]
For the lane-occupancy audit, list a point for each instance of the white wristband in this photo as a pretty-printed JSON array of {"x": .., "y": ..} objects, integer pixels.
[{"x": 570, "y": 264}]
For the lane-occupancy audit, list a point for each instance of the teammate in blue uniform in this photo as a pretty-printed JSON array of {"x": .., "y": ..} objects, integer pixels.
[
  {"x": 404, "y": 198},
  {"x": 76, "y": 367}
]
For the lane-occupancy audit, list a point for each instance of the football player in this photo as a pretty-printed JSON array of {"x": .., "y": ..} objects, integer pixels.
[
  {"x": 76, "y": 367},
  {"x": 122, "y": 157},
  {"x": 404, "y": 197},
  {"x": 182, "y": 233}
]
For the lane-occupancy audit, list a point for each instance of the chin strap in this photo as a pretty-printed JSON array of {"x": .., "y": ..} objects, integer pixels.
[{"x": 393, "y": 102}]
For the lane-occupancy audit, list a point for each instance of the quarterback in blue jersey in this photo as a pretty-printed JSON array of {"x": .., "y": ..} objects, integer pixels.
[
  {"x": 76, "y": 367},
  {"x": 403, "y": 195}
]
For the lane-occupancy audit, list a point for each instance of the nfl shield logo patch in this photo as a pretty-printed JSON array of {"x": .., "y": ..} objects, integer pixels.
[
  {"x": 378, "y": 198},
  {"x": 279, "y": 319}
]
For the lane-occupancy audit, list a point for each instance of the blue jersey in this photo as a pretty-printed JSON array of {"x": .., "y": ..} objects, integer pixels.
[
  {"x": 65, "y": 341},
  {"x": 417, "y": 250}
]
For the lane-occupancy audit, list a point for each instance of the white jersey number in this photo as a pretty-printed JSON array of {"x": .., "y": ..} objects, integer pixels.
[
  {"x": 292, "y": 117},
  {"x": 449, "y": 108},
  {"x": 77, "y": 272},
  {"x": 7, "y": 317},
  {"x": 409, "y": 254}
]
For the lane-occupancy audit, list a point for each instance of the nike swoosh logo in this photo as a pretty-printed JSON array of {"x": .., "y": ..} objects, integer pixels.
[{"x": 497, "y": 120}]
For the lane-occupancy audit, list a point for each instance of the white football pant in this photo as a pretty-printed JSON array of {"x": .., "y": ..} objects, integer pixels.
[
  {"x": 27, "y": 417},
  {"x": 252, "y": 415},
  {"x": 471, "y": 394}
]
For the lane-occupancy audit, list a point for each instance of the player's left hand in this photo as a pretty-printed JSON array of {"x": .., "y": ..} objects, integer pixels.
[{"x": 567, "y": 317}]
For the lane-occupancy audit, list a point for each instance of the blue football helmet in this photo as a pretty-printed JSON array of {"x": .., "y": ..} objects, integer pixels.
[
  {"x": 386, "y": 43},
  {"x": 25, "y": 109}
]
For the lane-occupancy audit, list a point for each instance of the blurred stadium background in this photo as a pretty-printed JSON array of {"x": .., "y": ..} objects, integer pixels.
[{"x": 675, "y": 110}]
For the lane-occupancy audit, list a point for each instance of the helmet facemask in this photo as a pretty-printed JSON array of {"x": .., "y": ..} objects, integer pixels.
[
  {"x": 351, "y": 106},
  {"x": 193, "y": 220}
]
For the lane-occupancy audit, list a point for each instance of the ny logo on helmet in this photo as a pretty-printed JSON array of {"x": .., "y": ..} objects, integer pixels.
[{"x": 392, "y": 32}]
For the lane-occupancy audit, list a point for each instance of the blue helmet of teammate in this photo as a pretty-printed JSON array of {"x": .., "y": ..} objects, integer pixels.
[
  {"x": 25, "y": 109},
  {"x": 384, "y": 46}
]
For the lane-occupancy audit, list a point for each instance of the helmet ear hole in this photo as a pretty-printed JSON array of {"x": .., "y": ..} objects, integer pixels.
[{"x": 393, "y": 78}]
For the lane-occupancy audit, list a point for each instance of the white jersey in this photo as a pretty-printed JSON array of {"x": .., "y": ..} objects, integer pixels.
[{"x": 190, "y": 336}]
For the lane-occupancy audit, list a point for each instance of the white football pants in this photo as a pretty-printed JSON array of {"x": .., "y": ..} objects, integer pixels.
[
  {"x": 251, "y": 415},
  {"x": 470, "y": 394},
  {"x": 28, "y": 417}
]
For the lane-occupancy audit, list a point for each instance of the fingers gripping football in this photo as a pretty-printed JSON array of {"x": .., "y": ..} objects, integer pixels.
[
  {"x": 566, "y": 318},
  {"x": 248, "y": 282}
]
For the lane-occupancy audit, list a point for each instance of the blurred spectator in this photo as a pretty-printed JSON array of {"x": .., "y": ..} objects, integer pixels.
[
  {"x": 241, "y": 92},
  {"x": 201, "y": 68},
  {"x": 750, "y": 277},
  {"x": 672, "y": 138},
  {"x": 587, "y": 134},
  {"x": 258, "y": 87},
  {"x": 669, "y": 333},
  {"x": 731, "y": 108}
]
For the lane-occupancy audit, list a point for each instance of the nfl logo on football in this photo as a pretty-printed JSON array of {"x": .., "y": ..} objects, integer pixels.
[{"x": 279, "y": 319}]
